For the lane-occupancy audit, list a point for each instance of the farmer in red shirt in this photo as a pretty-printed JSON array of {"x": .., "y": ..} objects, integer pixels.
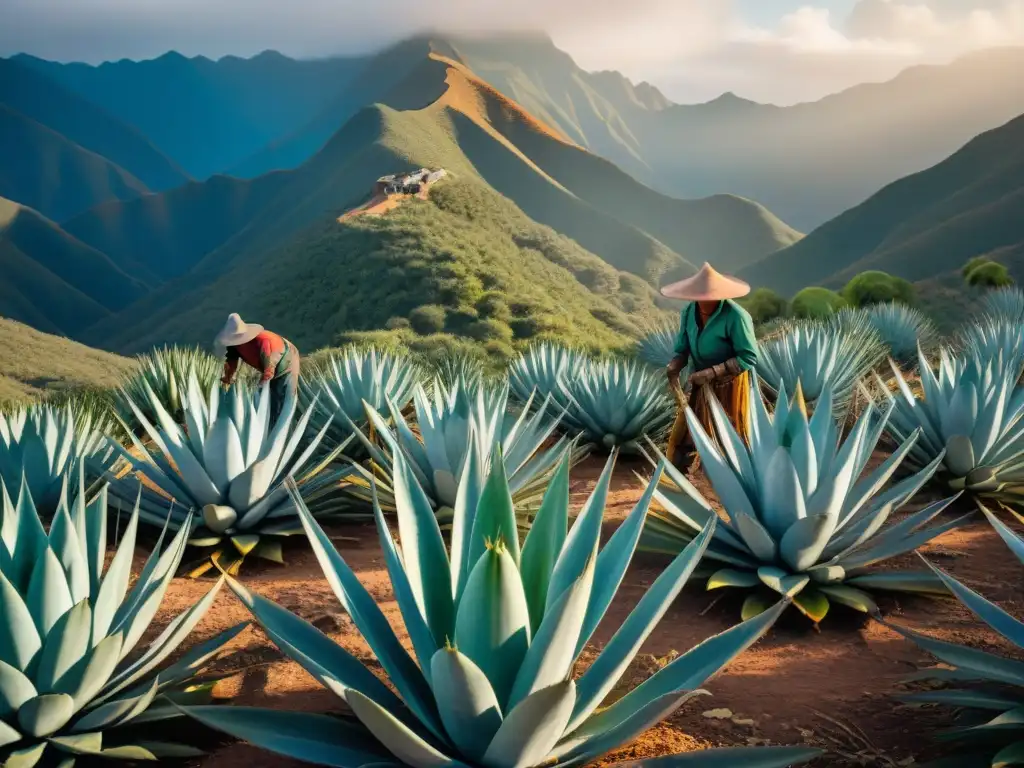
[{"x": 274, "y": 356}]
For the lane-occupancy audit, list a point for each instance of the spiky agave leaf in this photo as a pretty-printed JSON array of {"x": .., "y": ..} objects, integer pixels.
[
  {"x": 165, "y": 372},
  {"x": 538, "y": 373},
  {"x": 227, "y": 467},
  {"x": 618, "y": 403},
  {"x": 996, "y": 339},
  {"x": 658, "y": 345},
  {"x": 344, "y": 381},
  {"x": 802, "y": 520},
  {"x": 821, "y": 356},
  {"x": 990, "y": 707},
  {"x": 1004, "y": 304},
  {"x": 901, "y": 328},
  {"x": 970, "y": 420},
  {"x": 496, "y": 628},
  {"x": 450, "y": 421},
  {"x": 42, "y": 443},
  {"x": 71, "y": 681}
]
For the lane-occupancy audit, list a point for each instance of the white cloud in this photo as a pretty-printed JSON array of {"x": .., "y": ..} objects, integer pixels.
[{"x": 810, "y": 53}]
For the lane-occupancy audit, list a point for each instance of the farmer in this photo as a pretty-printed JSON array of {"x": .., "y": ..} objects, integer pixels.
[
  {"x": 274, "y": 356},
  {"x": 716, "y": 337}
]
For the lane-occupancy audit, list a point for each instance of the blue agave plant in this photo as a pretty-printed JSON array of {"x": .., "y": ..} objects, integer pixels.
[
  {"x": 658, "y": 345},
  {"x": 991, "y": 704},
  {"x": 496, "y": 627},
  {"x": 901, "y": 328}
]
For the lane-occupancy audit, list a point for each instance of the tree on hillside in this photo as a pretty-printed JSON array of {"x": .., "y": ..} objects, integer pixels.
[
  {"x": 877, "y": 287},
  {"x": 816, "y": 303},
  {"x": 989, "y": 275},
  {"x": 764, "y": 304}
]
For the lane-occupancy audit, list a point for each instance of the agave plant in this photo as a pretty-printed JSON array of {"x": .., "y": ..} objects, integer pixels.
[
  {"x": 165, "y": 372},
  {"x": 71, "y": 684},
  {"x": 1004, "y": 303},
  {"x": 344, "y": 382},
  {"x": 996, "y": 339},
  {"x": 450, "y": 422},
  {"x": 970, "y": 418},
  {"x": 229, "y": 466},
  {"x": 821, "y": 356},
  {"x": 496, "y": 628},
  {"x": 619, "y": 403},
  {"x": 538, "y": 374},
  {"x": 43, "y": 443},
  {"x": 991, "y": 706},
  {"x": 658, "y": 346},
  {"x": 901, "y": 328},
  {"x": 801, "y": 523}
]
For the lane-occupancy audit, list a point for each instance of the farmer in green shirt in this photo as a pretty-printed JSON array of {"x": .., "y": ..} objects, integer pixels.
[{"x": 716, "y": 338}]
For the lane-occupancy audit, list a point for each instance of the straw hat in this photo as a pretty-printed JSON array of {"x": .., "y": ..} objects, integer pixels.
[
  {"x": 236, "y": 332},
  {"x": 706, "y": 285}
]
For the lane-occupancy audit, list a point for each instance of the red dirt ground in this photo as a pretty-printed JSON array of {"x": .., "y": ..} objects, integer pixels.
[{"x": 833, "y": 688}]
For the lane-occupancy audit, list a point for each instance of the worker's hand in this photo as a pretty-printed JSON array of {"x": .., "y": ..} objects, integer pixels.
[
  {"x": 700, "y": 378},
  {"x": 674, "y": 368},
  {"x": 225, "y": 382}
]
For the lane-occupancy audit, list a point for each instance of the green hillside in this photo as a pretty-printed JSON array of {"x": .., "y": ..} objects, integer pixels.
[
  {"x": 40, "y": 168},
  {"x": 465, "y": 262},
  {"x": 209, "y": 115},
  {"x": 79, "y": 120},
  {"x": 33, "y": 363},
  {"x": 169, "y": 233},
  {"x": 918, "y": 227},
  {"x": 53, "y": 281}
]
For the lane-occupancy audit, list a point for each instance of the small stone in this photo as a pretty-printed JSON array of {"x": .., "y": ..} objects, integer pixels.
[{"x": 718, "y": 714}]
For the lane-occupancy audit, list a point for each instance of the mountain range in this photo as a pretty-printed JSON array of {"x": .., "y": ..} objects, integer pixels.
[{"x": 146, "y": 200}]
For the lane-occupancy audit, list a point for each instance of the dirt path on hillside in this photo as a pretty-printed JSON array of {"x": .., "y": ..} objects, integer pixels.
[
  {"x": 849, "y": 671},
  {"x": 378, "y": 205}
]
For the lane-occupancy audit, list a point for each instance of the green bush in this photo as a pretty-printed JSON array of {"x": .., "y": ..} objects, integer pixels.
[
  {"x": 492, "y": 305},
  {"x": 973, "y": 264},
  {"x": 989, "y": 275},
  {"x": 427, "y": 319},
  {"x": 489, "y": 330},
  {"x": 764, "y": 304},
  {"x": 816, "y": 303},
  {"x": 877, "y": 287}
]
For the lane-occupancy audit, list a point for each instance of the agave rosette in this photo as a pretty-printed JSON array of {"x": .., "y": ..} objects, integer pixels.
[
  {"x": 165, "y": 372},
  {"x": 996, "y": 339},
  {"x": 804, "y": 520},
  {"x": 496, "y": 628},
  {"x": 229, "y": 467},
  {"x": 821, "y": 356},
  {"x": 618, "y": 403},
  {"x": 343, "y": 383},
  {"x": 1004, "y": 304},
  {"x": 970, "y": 419},
  {"x": 990, "y": 707},
  {"x": 44, "y": 443},
  {"x": 901, "y": 328},
  {"x": 657, "y": 347},
  {"x": 71, "y": 681},
  {"x": 450, "y": 420},
  {"x": 538, "y": 373}
]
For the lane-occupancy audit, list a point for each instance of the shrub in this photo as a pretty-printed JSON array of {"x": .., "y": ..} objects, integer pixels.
[
  {"x": 973, "y": 264},
  {"x": 990, "y": 275},
  {"x": 764, "y": 304},
  {"x": 492, "y": 305},
  {"x": 427, "y": 319},
  {"x": 876, "y": 287},
  {"x": 488, "y": 330},
  {"x": 816, "y": 303}
]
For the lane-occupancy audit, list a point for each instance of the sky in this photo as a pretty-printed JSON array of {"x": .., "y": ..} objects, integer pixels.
[{"x": 779, "y": 51}]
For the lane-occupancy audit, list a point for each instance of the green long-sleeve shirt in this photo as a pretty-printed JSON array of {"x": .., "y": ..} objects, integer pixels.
[{"x": 729, "y": 333}]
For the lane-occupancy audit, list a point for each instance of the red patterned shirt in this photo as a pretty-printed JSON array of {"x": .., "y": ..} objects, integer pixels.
[{"x": 263, "y": 353}]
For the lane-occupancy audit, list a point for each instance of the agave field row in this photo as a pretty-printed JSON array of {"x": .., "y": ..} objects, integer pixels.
[{"x": 467, "y": 480}]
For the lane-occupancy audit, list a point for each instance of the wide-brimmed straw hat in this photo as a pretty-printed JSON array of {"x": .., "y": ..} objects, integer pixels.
[
  {"x": 706, "y": 285},
  {"x": 236, "y": 332}
]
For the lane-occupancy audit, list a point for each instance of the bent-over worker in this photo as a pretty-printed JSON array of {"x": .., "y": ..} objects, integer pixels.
[
  {"x": 716, "y": 337},
  {"x": 273, "y": 356}
]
